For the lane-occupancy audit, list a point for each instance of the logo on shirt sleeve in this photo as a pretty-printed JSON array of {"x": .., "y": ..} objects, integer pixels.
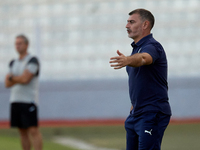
[{"x": 32, "y": 108}]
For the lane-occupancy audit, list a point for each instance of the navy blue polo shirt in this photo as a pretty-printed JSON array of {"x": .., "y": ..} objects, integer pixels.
[{"x": 148, "y": 86}]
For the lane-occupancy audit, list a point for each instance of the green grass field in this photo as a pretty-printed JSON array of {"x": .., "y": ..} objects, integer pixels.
[{"x": 177, "y": 137}]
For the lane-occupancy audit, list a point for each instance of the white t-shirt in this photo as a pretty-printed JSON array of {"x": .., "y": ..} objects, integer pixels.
[{"x": 25, "y": 93}]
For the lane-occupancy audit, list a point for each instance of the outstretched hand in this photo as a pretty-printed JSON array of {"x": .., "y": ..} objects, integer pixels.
[{"x": 119, "y": 62}]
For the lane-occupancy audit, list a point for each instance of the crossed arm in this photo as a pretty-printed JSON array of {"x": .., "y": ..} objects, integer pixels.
[
  {"x": 25, "y": 78},
  {"x": 136, "y": 60}
]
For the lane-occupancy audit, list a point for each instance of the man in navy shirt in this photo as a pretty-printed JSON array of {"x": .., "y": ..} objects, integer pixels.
[{"x": 148, "y": 87}]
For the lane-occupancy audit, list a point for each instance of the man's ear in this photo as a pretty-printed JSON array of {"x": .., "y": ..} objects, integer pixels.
[{"x": 146, "y": 24}]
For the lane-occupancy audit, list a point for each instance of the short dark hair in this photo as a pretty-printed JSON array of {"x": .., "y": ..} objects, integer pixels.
[
  {"x": 145, "y": 15},
  {"x": 23, "y": 37}
]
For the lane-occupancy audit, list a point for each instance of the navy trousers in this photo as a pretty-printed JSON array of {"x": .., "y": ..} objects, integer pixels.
[{"x": 145, "y": 132}]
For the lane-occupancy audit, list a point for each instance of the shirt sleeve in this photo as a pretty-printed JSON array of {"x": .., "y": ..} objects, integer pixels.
[
  {"x": 33, "y": 66},
  {"x": 151, "y": 50},
  {"x": 10, "y": 66},
  {"x": 11, "y": 63}
]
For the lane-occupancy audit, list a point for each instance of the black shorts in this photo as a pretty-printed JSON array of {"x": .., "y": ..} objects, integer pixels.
[{"x": 23, "y": 115}]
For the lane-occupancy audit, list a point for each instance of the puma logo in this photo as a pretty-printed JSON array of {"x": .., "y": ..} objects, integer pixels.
[{"x": 149, "y": 132}]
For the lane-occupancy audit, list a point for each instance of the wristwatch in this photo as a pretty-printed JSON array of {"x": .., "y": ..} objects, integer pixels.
[{"x": 10, "y": 78}]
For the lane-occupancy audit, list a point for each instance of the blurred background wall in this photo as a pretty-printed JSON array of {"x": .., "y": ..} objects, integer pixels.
[{"x": 74, "y": 40}]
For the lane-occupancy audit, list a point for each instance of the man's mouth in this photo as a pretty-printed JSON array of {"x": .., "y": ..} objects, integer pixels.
[{"x": 129, "y": 31}]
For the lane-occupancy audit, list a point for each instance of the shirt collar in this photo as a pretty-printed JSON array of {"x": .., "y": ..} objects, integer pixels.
[
  {"x": 140, "y": 42},
  {"x": 24, "y": 57}
]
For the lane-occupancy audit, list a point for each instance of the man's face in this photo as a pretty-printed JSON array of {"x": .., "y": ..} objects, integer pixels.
[
  {"x": 134, "y": 26},
  {"x": 20, "y": 45}
]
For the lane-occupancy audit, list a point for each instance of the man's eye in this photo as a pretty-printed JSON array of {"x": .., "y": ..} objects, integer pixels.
[{"x": 131, "y": 21}]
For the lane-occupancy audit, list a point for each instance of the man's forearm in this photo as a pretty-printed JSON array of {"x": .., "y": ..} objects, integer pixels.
[
  {"x": 25, "y": 78},
  {"x": 19, "y": 79},
  {"x": 139, "y": 59},
  {"x": 135, "y": 60}
]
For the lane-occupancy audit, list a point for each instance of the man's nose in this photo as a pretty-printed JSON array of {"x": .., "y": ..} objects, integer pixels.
[{"x": 127, "y": 25}]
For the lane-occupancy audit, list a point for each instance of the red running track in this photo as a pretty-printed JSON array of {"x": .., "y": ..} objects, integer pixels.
[{"x": 95, "y": 122}]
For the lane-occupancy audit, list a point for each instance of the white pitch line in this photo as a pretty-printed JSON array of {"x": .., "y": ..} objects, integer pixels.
[{"x": 77, "y": 144}]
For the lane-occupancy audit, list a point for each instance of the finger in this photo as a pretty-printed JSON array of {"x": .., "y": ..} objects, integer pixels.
[
  {"x": 119, "y": 53},
  {"x": 118, "y": 67},
  {"x": 117, "y": 57},
  {"x": 114, "y": 65},
  {"x": 114, "y": 61}
]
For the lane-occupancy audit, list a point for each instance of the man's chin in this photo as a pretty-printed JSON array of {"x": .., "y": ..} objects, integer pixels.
[
  {"x": 20, "y": 51},
  {"x": 130, "y": 36}
]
